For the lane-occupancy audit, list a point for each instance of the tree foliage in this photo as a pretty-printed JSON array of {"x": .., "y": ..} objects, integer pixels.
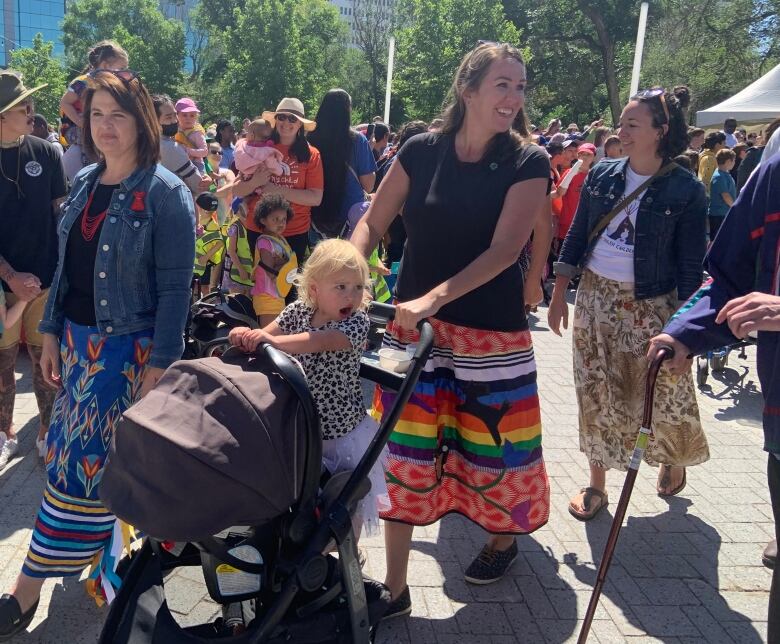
[
  {"x": 154, "y": 43},
  {"x": 37, "y": 67},
  {"x": 433, "y": 39},
  {"x": 245, "y": 55}
]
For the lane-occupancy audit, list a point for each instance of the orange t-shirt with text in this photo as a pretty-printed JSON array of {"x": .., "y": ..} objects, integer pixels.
[{"x": 303, "y": 176}]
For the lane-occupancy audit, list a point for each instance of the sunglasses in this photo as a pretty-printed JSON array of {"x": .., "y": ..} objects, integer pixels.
[
  {"x": 217, "y": 153},
  {"x": 655, "y": 92},
  {"x": 125, "y": 75},
  {"x": 290, "y": 118}
]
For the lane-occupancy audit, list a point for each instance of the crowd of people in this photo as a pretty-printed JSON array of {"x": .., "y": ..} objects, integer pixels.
[{"x": 109, "y": 225}]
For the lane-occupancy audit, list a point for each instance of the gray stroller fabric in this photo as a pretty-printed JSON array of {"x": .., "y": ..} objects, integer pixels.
[{"x": 217, "y": 443}]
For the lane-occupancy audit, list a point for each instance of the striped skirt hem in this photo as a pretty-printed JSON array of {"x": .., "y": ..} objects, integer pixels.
[
  {"x": 69, "y": 532},
  {"x": 469, "y": 440}
]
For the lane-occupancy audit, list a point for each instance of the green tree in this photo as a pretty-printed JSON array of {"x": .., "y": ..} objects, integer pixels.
[
  {"x": 322, "y": 51},
  {"x": 581, "y": 48},
  {"x": 263, "y": 63},
  {"x": 714, "y": 48},
  {"x": 38, "y": 66},
  {"x": 277, "y": 48},
  {"x": 154, "y": 43},
  {"x": 433, "y": 40}
]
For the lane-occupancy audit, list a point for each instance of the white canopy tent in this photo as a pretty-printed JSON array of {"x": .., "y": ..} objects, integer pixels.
[{"x": 759, "y": 101}]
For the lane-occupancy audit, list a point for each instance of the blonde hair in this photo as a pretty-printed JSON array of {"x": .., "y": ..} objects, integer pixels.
[{"x": 329, "y": 257}]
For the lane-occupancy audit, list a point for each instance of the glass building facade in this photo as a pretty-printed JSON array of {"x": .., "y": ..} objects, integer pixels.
[{"x": 20, "y": 20}]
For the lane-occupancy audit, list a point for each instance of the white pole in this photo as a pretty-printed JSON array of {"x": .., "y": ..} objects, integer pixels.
[
  {"x": 389, "y": 86},
  {"x": 640, "y": 44}
]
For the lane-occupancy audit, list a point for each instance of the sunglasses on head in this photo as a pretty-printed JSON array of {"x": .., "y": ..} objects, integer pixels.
[
  {"x": 655, "y": 92},
  {"x": 125, "y": 75},
  {"x": 284, "y": 116}
]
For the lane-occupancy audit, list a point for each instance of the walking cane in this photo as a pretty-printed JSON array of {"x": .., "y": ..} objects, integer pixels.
[{"x": 645, "y": 432}]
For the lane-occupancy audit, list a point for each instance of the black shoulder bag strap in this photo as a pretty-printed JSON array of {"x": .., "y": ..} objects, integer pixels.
[{"x": 607, "y": 219}]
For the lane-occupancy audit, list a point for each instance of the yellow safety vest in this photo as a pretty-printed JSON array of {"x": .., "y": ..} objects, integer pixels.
[
  {"x": 381, "y": 291},
  {"x": 212, "y": 233},
  {"x": 245, "y": 256}
]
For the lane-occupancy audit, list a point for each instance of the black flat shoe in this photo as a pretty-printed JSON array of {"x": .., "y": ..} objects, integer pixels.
[
  {"x": 400, "y": 606},
  {"x": 12, "y": 620},
  {"x": 769, "y": 557}
]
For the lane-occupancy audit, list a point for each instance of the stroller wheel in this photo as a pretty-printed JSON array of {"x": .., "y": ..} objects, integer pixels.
[
  {"x": 719, "y": 361},
  {"x": 216, "y": 350},
  {"x": 702, "y": 372}
]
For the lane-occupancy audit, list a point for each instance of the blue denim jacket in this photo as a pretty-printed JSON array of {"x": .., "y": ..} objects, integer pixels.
[
  {"x": 143, "y": 267},
  {"x": 671, "y": 229}
]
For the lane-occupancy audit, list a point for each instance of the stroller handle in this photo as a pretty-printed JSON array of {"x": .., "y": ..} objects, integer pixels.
[{"x": 382, "y": 311}]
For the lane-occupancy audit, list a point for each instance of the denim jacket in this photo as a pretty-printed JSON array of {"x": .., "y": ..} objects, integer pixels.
[
  {"x": 143, "y": 267},
  {"x": 671, "y": 229}
]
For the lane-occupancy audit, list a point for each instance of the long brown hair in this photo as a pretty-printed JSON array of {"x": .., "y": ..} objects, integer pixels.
[
  {"x": 133, "y": 98},
  {"x": 471, "y": 72}
]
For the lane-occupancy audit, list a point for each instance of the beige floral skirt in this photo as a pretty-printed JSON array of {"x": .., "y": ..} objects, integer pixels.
[{"x": 611, "y": 330}]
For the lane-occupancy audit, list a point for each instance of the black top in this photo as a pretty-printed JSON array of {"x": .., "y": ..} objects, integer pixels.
[
  {"x": 28, "y": 223},
  {"x": 79, "y": 302},
  {"x": 450, "y": 216}
]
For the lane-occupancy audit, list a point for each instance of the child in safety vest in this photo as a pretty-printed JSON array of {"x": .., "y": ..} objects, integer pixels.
[
  {"x": 276, "y": 264},
  {"x": 239, "y": 261},
  {"x": 209, "y": 243}
]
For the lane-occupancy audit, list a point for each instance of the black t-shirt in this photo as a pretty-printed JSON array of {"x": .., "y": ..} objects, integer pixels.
[
  {"x": 28, "y": 224},
  {"x": 80, "y": 253},
  {"x": 450, "y": 216}
]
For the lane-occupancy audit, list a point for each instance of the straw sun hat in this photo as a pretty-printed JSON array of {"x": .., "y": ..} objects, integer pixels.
[{"x": 290, "y": 106}]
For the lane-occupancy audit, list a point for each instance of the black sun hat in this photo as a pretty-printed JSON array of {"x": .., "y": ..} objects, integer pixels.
[{"x": 12, "y": 90}]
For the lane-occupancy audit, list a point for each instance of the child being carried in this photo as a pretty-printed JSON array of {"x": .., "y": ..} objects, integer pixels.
[{"x": 257, "y": 150}]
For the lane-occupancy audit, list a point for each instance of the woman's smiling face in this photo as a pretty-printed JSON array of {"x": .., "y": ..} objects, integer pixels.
[{"x": 500, "y": 96}]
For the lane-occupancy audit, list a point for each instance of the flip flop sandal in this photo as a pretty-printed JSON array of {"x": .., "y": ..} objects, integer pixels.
[
  {"x": 665, "y": 481},
  {"x": 590, "y": 513}
]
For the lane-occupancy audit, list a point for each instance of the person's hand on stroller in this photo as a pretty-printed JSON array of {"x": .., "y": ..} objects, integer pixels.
[
  {"x": 247, "y": 339},
  {"x": 680, "y": 362}
]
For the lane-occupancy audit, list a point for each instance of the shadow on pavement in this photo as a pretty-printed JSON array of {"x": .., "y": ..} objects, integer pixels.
[
  {"x": 532, "y": 603},
  {"x": 664, "y": 576}
]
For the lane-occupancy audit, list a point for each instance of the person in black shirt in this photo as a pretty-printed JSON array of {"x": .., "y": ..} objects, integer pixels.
[
  {"x": 32, "y": 183},
  {"x": 469, "y": 440}
]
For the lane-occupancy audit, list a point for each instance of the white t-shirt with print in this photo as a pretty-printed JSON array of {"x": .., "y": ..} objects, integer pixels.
[
  {"x": 613, "y": 254},
  {"x": 333, "y": 376}
]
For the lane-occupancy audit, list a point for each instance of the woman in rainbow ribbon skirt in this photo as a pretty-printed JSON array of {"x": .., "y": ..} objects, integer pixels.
[
  {"x": 114, "y": 321},
  {"x": 469, "y": 441}
]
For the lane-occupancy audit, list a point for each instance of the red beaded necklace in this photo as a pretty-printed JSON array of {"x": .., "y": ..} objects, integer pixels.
[{"x": 91, "y": 223}]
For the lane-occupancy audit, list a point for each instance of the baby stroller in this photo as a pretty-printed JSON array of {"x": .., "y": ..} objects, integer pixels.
[
  {"x": 210, "y": 321},
  {"x": 257, "y": 466}
]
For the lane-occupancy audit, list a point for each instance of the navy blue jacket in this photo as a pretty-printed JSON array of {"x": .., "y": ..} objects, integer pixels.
[
  {"x": 143, "y": 267},
  {"x": 671, "y": 229},
  {"x": 744, "y": 257}
]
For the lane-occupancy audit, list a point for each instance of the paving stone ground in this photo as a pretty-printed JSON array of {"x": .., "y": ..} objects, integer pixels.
[{"x": 687, "y": 569}]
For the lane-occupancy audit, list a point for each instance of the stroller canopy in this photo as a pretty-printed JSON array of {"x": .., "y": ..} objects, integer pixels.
[{"x": 219, "y": 442}]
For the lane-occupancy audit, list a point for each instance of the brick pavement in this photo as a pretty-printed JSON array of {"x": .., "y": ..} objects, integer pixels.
[{"x": 686, "y": 569}]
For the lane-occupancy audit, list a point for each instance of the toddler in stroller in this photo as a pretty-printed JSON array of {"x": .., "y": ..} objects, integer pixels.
[
  {"x": 238, "y": 442},
  {"x": 327, "y": 329}
]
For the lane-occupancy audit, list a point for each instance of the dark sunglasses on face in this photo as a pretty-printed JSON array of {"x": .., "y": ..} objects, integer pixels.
[
  {"x": 217, "y": 153},
  {"x": 290, "y": 118}
]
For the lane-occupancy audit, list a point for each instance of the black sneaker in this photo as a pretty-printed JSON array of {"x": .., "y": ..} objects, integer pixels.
[
  {"x": 769, "y": 557},
  {"x": 490, "y": 565},
  {"x": 12, "y": 620},
  {"x": 400, "y": 606}
]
